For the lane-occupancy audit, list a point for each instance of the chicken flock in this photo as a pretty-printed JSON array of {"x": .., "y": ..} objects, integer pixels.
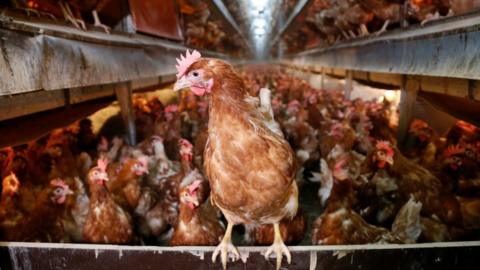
[
  {"x": 327, "y": 22},
  {"x": 76, "y": 186}
]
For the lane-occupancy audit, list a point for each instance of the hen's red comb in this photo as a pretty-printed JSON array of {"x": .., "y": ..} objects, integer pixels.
[
  {"x": 453, "y": 150},
  {"x": 194, "y": 186},
  {"x": 337, "y": 126},
  {"x": 385, "y": 145},
  {"x": 144, "y": 161},
  {"x": 58, "y": 183},
  {"x": 184, "y": 62},
  {"x": 171, "y": 108},
  {"x": 102, "y": 163},
  {"x": 293, "y": 104},
  {"x": 185, "y": 143},
  {"x": 466, "y": 127},
  {"x": 418, "y": 124}
]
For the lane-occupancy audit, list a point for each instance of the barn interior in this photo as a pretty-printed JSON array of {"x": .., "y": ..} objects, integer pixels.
[{"x": 377, "y": 100}]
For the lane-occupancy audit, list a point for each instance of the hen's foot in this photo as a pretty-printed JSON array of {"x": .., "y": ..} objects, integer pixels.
[
  {"x": 363, "y": 30},
  {"x": 278, "y": 247},
  {"x": 226, "y": 247},
  {"x": 68, "y": 14},
  {"x": 431, "y": 18},
  {"x": 98, "y": 23}
]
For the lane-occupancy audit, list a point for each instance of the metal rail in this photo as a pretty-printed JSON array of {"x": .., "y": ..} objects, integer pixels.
[
  {"x": 445, "y": 48},
  {"x": 301, "y": 5},
  {"x": 228, "y": 17}
]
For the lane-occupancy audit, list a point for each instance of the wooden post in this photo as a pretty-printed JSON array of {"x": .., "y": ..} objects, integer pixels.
[
  {"x": 404, "y": 15},
  {"x": 408, "y": 96},
  {"x": 322, "y": 82},
  {"x": 348, "y": 84},
  {"x": 124, "y": 96}
]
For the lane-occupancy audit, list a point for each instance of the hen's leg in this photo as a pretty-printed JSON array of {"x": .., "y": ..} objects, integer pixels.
[
  {"x": 383, "y": 29},
  {"x": 80, "y": 21},
  {"x": 278, "y": 247},
  {"x": 68, "y": 16},
  {"x": 98, "y": 23},
  {"x": 430, "y": 18},
  {"x": 363, "y": 30},
  {"x": 225, "y": 247}
]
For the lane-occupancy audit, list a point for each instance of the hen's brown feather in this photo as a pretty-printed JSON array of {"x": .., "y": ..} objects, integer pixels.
[{"x": 251, "y": 168}]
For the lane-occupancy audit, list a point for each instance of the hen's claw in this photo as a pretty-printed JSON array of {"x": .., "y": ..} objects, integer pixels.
[
  {"x": 226, "y": 247},
  {"x": 98, "y": 23},
  {"x": 279, "y": 248}
]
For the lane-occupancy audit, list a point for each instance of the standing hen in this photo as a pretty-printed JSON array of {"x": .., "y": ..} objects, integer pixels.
[
  {"x": 106, "y": 221},
  {"x": 251, "y": 168}
]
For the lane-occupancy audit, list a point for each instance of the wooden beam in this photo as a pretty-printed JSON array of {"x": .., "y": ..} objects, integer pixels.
[
  {"x": 451, "y": 255},
  {"x": 123, "y": 93},
  {"x": 407, "y": 101},
  {"x": 24, "y": 129},
  {"x": 457, "y": 87},
  {"x": 348, "y": 84},
  {"x": 322, "y": 84}
]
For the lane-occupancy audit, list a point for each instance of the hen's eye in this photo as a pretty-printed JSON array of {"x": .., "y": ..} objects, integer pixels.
[
  {"x": 195, "y": 73},
  {"x": 57, "y": 191}
]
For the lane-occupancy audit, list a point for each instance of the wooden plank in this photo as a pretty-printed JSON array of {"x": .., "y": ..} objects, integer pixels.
[
  {"x": 146, "y": 82},
  {"x": 31, "y": 256},
  {"x": 458, "y": 87},
  {"x": 360, "y": 75},
  {"x": 81, "y": 94},
  {"x": 339, "y": 72},
  {"x": 448, "y": 86},
  {"x": 42, "y": 56},
  {"x": 474, "y": 90},
  {"x": 19, "y": 105},
  {"x": 24, "y": 129}
]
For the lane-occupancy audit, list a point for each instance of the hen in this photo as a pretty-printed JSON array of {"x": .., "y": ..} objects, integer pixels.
[
  {"x": 126, "y": 180},
  {"x": 423, "y": 143},
  {"x": 397, "y": 178},
  {"x": 10, "y": 213},
  {"x": 251, "y": 168},
  {"x": 42, "y": 222},
  {"x": 106, "y": 222},
  {"x": 198, "y": 222}
]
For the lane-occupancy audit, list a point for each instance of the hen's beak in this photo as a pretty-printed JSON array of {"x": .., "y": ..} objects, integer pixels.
[
  {"x": 68, "y": 191},
  {"x": 181, "y": 83},
  {"x": 389, "y": 160},
  {"x": 195, "y": 202}
]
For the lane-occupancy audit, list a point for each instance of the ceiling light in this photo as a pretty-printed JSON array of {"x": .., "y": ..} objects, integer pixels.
[{"x": 259, "y": 31}]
